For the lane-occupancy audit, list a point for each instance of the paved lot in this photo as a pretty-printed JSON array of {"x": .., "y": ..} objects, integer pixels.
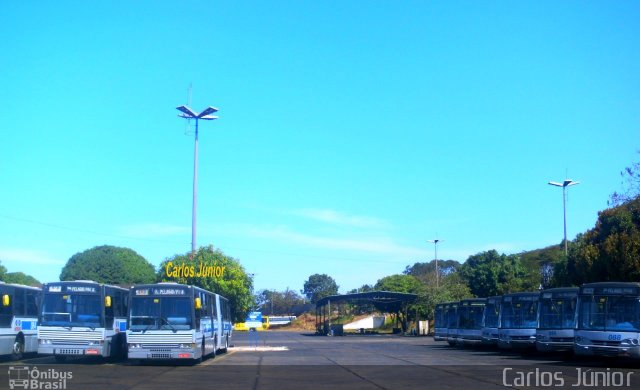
[{"x": 287, "y": 360}]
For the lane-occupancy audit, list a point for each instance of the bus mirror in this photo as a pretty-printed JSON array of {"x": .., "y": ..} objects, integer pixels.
[
  {"x": 6, "y": 301},
  {"x": 198, "y": 303},
  {"x": 107, "y": 301}
]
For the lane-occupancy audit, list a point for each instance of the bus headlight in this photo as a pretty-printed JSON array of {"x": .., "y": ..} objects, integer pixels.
[
  {"x": 578, "y": 339},
  {"x": 45, "y": 341},
  {"x": 95, "y": 342},
  {"x": 188, "y": 346},
  {"x": 134, "y": 346}
]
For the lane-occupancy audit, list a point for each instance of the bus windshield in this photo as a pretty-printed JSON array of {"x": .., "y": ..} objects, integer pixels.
[
  {"x": 439, "y": 320},
  {"x": 519, "y": 314},
  {"x": 557, "y": 313},
  {"x": 72, "y": 310},
  {"x": 161, "y": 313},
  {"x": 452, "y": 317},
  {"x": 491, "y": 315},
  {"x": 471, "y": 317},
  {"x": 612, "y": 312}
]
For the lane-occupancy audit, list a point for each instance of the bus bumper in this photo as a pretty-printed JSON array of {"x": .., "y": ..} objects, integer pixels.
[
  {"x": 164, "y": 353},
  {"x": 45, "y": 348},
  {"x": 623, "y": 350}
]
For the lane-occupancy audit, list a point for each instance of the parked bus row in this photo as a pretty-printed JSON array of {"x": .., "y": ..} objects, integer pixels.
[
  {"x": 596, "y": 319},
  {"x": 85, "y": 318}
]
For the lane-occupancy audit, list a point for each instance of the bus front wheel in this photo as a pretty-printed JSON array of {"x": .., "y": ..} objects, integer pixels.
[{"x": 18, "y": 348}]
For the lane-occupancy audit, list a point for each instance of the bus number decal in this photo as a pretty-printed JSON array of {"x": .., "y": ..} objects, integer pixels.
[{"x": 615, "y": 337}]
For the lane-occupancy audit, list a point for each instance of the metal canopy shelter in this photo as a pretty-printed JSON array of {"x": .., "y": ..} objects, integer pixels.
[{"x": 386, "y": 301}]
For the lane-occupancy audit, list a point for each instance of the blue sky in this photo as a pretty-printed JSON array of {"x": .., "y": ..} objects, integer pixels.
[{"x": 349, "y": 132}]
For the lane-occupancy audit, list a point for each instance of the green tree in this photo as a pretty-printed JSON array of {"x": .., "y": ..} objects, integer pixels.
[
  {"x": 426, "y": 272},
  {"x": 400, "y": 283},
  {"x": 611, "y": 250},
  {"x": 233, "y": 282},
  {"x": 3, "y": 271},
  {"x": 319, "y": 286},
  {"x": 278, "y": 302},
  {"x": 20, "y": 278},
  {"x": 489, "y": 273},
  {"x": 109, "y": 264}
]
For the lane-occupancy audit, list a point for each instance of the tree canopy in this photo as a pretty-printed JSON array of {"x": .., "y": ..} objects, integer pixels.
[
  {"x": 319, "y": 286},
  {"x": 489, "y": 273},
  {"x": 611, "y": 250},
  {"x": 278, "y": 302},
  {"x": 228, "y": 277},
  {"x": 109, "y": 264},
  {"x": 20, "y": 278}
]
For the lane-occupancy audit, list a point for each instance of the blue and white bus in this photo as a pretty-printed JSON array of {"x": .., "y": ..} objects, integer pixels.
[
  {"x": 608, "y": 319},
  {"x": 18, "y": 319},
  {"x": 175, "y": 321},
  {"x": 440, "y": 322},
  {"x": 470, "y": 313},
  {"x": 452, "y": 323},
  {"x": 82, "y": 318},
  {"x": 556, "y": 319},
  {"x": 491, "y": 320},
  {"x": 518, "y": 320}
]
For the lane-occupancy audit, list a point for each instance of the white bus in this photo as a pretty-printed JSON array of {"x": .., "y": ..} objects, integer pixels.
[
  {"x": 608, "y": 320},
  {"x": 176, "y": 321},
  {"x": 440, "y": 322},
  {"x": 470, "y": 313},
  {"x": 82, "y": 318},
  {"x": 556, "y": 319},
  {"x": 491, "y": 320},
  {"x": 452, "y": 323},
  {"x": 18, "y": 319},
  {"x": 518, "y": 320}
]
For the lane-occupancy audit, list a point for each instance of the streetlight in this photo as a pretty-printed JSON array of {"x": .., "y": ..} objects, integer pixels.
[
  {"x": 435, "y": 244},
  {"x": 188, "y": 113},
  {"x": 566, "y": 183}
]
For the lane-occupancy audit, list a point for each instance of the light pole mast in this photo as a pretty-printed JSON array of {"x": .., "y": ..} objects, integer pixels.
[
  {"x": 566, "y": 183},
  {"x": 435, "y": 244},
  {"x": 188, "y": 113}
]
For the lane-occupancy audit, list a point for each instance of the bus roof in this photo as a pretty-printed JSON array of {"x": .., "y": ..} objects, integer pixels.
[
  {"x": 611, "y": 284},
  {"x": 560, "y": 290},
  {"x": 80, "y": 282},
  {"x": 469, "y": 301},
  {"x": 522, "y": 294},
  {"x": 20, "y": 285}
]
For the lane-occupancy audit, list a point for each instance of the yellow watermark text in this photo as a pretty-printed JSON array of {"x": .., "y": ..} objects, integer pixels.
[{"x": 189, "y": 271}]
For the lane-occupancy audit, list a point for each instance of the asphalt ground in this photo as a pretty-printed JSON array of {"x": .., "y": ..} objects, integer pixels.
[{"x": 291, "y": 360}]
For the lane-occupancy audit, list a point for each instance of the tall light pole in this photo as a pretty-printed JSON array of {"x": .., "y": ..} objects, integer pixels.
[
  {"x": 435, "y": 244},
  {"x": 566, "y": 183},
  {"x": 188, "y": 113}
]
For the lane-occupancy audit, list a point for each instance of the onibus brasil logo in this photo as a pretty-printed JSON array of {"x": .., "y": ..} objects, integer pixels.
[{"x": 23, "y": 377}]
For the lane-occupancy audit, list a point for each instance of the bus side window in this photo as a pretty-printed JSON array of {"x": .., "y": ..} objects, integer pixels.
[
  {"x": 19, "y": 307},
  {"x": 210, "y": 312},
  {"x": 32, "y": 304}
]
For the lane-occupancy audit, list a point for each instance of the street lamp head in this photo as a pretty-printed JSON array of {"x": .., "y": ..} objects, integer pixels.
[
  {"x": 206, "y": 113},
  {"x": 188, "y": 113},
  {"x": 565, "y": 183}
]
